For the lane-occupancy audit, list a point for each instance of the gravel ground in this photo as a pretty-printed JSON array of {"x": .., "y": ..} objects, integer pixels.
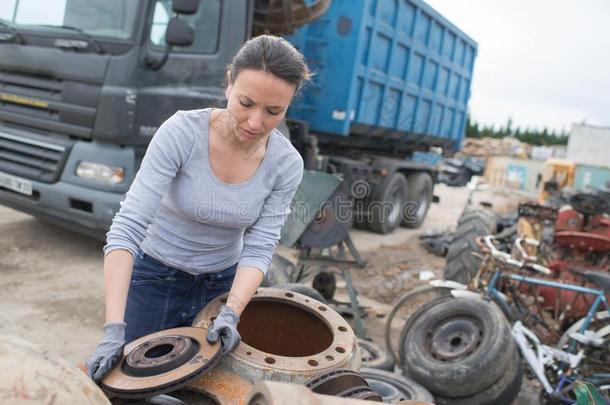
[{"x": 51, "y": 288}]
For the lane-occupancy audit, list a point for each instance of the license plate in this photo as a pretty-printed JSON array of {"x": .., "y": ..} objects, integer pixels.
[{"x": 16, "y": 184}]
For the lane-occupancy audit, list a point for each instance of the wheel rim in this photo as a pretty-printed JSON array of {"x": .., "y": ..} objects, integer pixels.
[{"x": 454, "y": 338}]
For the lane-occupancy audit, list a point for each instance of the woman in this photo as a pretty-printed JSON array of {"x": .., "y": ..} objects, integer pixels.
[{"x": 204, "y": 213}]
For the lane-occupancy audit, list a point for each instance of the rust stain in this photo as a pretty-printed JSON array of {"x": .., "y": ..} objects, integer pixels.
[{"x": 224, "y": 387}]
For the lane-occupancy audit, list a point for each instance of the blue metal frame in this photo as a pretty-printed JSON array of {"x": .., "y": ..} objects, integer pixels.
[{"x": 600, "y": 298}]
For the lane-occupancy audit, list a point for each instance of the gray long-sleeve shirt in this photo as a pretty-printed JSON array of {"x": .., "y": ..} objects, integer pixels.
[{"x": 180, "y": 213}]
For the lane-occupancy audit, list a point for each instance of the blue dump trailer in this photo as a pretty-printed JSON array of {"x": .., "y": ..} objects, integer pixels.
[
  {"x": 82, "y": 93},
  {"x": 387, "y": 69}
]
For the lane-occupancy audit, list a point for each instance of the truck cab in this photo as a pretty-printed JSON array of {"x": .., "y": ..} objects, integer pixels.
[{"x": 82, "y": 93}]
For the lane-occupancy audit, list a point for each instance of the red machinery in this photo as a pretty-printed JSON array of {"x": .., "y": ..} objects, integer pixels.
[{"x": 581, "y": 243}]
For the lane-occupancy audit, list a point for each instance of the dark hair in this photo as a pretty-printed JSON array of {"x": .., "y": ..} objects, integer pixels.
[{"x": 273, "y": 55}]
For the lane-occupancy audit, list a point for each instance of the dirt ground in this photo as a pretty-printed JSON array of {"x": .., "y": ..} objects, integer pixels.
[{"x": 51, "y": 286}]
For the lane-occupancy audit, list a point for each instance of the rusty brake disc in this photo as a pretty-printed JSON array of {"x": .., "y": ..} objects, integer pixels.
[
  {"x": 336, "y": 382},
  {"x": 162, "y": 362},
  {"x": 364, "y": 393}
]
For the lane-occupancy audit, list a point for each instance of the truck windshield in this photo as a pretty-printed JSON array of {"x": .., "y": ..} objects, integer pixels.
[{"x": 108, "y": 18}]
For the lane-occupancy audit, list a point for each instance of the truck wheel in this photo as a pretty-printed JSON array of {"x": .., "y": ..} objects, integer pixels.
[
  {"x": 385, "y": 210},
  {"x": 419, "y": 197},
  {"x": 456, "y": 347},
  {"x": 461, "y": 264}
]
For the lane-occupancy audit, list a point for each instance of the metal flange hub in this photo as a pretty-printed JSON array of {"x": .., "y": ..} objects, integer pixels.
[
  {"x": 160, "y": 355},
  {"x": 286, "y": 335}
]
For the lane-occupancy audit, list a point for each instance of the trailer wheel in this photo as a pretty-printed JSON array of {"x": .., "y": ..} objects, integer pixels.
[
  {"x": 385, "y": 210},
  {"x": 461, "y": 264},
  {"x": 419, "y": 197}
]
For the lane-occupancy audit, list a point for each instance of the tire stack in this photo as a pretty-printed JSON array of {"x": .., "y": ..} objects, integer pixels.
[{"x": 461, "y": 350}]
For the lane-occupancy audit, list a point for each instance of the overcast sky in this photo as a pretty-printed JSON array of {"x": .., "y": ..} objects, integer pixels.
[{"x": 541, "y": 62}]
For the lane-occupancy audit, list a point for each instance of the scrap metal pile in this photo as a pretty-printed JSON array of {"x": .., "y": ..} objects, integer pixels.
[{"x": 547, "y": 274}]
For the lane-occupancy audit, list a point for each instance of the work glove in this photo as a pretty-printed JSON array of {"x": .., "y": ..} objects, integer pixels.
[
  {"x": 225, "y": 327},
  {"x": 108, "y": 352}
]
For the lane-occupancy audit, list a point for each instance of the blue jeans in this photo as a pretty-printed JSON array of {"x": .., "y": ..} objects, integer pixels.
[{"x": 162, "y": 297}]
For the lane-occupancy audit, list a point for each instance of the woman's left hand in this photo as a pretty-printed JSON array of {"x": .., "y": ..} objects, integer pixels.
[{"x": 225, "y": 328}]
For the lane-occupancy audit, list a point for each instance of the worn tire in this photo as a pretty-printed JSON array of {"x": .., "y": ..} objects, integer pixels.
[
  {"x": 470, "y": 365},
  {"x": 301, "y": 289},
  {"x": 385, "y": 211},
  {"x": 405, "y": 306},
  {"x": 461, "y": 264},
  {"x": 419, "y": 198},
  {"x": 393, "y": 387},
  {"x": 502, "y": 392},
  {"x": 374, "y": 356}
]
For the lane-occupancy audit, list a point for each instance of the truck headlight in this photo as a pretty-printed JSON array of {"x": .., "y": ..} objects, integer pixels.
[{"x": 101, "y": 173}]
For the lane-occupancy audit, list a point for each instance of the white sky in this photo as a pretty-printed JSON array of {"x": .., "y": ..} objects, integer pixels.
[{"x": 541, "y": 62}]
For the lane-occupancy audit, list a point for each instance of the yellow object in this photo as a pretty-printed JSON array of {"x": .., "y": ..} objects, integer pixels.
[{"x": 558, "y": 173}]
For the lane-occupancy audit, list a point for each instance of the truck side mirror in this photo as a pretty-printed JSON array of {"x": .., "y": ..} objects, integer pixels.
[
  {"x": 185, "y": 6},
  {"x": 179, "y": 33}
]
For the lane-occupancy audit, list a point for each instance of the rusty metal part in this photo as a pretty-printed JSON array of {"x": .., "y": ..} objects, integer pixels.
[
  {"x": 335, "y": 382},
  {"x": 277, "y": 393},
  {"x": 394, "y": 387},
  {"x": 30, "y": 374},
  {"x": 223, "y": 387},
  {"x": 284, "y": 16},
  {"x": 162, "y": 362},
  {"x": 364, "y": 393},
  {"x": 286, "y": 336}
]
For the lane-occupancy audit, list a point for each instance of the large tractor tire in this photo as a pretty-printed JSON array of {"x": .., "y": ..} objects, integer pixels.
[{"x": 461, "y": 264}]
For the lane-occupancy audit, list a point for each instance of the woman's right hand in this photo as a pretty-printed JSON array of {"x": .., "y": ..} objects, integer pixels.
[{"x": 108, "y": 352}]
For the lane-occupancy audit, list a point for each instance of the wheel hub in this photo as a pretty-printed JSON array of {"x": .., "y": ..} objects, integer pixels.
[{"x": 455, "y": 338}]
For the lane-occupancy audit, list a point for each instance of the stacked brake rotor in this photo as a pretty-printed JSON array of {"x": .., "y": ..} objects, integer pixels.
[
  {"x": 162, "y": 362},
  {"x": 345, "y": 384}
]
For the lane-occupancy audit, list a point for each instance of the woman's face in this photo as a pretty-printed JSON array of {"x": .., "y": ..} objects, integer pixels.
[{"x": 257, "y": 102}]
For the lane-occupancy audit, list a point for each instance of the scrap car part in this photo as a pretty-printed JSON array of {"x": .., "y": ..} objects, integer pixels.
[
  {"x": 162, "y": 362},
  {"x": 286, "y": 336},
  {"x": 393, "y": 387},
  {"x": 332, "y": 223},
  {"x": 335, "y": 382},
  {"x": 404, "y": 307},
  {"x": 325, "y": 283},
  {"x": 373, "y": 356},
  {"x": 277, "y": 393},
  {"x": 281, "y": 17},
  {"x": 453, "y": 346}
]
